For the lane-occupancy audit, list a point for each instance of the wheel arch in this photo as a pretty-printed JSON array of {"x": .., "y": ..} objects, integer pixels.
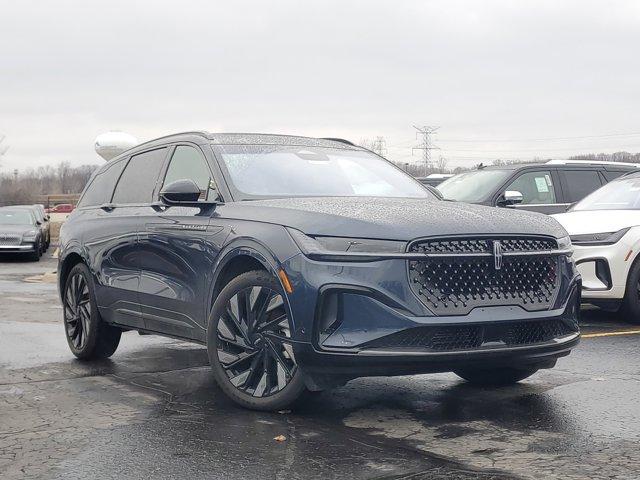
[
  {"x": 239, "y": 258},
  {"x": 634, "y": 258},
  {"x": 70, "y": 260}
]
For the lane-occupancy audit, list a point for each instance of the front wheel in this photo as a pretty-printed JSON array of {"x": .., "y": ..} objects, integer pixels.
[
  {"x": 36, "y": 254},
  {"x": 249, "y": 344},
  {"x": 87, "y": 335},
  {"x": 495, "y": 376},
  {"x": 630, "y": 308}
]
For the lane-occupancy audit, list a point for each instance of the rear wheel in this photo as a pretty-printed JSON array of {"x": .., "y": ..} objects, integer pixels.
[
  {"x": 87, "y": 335},
  {"x": 495, "y": 376},
  {"x": 249, "y": 344},
  {"x": 630, "y": 308}
]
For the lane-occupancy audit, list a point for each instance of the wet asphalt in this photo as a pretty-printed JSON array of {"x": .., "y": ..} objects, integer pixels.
[{"x": 153, "y": 410}]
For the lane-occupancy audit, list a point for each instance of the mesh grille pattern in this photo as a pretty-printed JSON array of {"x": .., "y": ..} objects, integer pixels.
[
  {"x": 469, "y": 337},
  {"x": 456, "y": 285},
  {"x": 10, "y": 240},
  {"x": 483, "y": 245}
]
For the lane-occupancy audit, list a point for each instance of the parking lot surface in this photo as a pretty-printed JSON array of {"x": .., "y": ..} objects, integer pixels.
[{"x": 153, "y": 410}]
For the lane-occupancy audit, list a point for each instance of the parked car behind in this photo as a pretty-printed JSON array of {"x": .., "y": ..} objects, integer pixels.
[
  {"x": 546, "y": 187},
  {"x": 303, "y": 263},
  {"x": 434, "y": 179},
  {"x": 605, "y": 231},
  {"x": 44, "y": 225},
  {"x": 61, "y": 208},
  {"x": 20, "y": 232}
]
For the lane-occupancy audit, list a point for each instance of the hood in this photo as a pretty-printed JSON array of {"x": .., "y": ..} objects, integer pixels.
[
  {"x": 15, "y": 229},
  {"x": 598, "y": 221},
  {"x": 390, "y": 218}
]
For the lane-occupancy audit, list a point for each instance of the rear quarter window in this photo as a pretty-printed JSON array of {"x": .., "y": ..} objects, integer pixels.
[
  {"x": 613, "y": 174},
  {"x": 100, "y": 188}
]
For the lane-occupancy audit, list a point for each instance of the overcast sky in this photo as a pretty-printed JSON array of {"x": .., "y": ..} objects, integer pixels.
[{"x": 503, "y": 79}]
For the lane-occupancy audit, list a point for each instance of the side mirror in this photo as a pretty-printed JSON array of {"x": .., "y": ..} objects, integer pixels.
[
  {"x": 509, "y": 198},
  {"x": 182, "y": 192},
  {"x": 38, "y": 222}
]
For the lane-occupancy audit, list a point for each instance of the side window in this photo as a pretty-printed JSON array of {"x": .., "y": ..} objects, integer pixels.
[
  {"x": 535, "y": 187},
  {"x": 100, "y": 189},
  {"x": 188, "y": 163},
  {"x": 612, "y": 174},
  {"x": 580, "y": 183},
  {"x": 138, "y": 180}
]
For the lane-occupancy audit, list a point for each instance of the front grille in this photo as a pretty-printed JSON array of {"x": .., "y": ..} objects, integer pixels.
[
  {"x": 469, "y": 337},
  {"x": 455, "y": 283},
  {"x": 483, "y": 245},
  {"x": 10, "y": 240}
]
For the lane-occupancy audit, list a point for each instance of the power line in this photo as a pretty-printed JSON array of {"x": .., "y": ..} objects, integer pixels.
[
  {"x": 427, "y": 145},
  {"x": 513, "y": 140},
  {"x": 557, "y": 149}
]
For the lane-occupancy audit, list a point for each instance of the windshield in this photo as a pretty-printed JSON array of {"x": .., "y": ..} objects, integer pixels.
[
  {"x": 473, "y": 186},
  {"x": 617, "y": 195},
  {"x": 258, "y": 171},
  {"x": 15, "y": 217}
]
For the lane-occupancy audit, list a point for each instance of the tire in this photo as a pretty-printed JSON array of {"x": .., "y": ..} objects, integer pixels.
[
  {"x": 36, "y": 254},
  {"x": 495, "y": 376},
  {"x": 87, "y": 335},
  {"x": 630, "y": 307},
  {"x": 250, "y": 362}
]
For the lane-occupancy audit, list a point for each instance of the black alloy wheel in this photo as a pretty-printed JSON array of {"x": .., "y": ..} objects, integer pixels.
[
  {"x": 77, "y": 315},
  {"x": 250, "y": 344},
  {"x": 87, "y": 335}
]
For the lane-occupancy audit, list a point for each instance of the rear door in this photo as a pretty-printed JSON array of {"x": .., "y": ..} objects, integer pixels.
[
  {"x": 133, "y": 192},
  {"x": 178, "y": 250},
  {"x": 539, "y": 190},
  {"x": 109, "y": 237},
  {"x": 578, "y": 183}
]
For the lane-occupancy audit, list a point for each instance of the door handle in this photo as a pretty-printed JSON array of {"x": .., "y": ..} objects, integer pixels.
[
  {"x": 108, "y": 207},
  {"x": 159, "y": 206}
]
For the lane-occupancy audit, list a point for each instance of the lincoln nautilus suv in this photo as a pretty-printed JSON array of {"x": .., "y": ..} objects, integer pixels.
[{"x": 302, "y": 263}]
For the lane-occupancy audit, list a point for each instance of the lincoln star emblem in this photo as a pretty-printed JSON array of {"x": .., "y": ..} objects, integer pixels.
[{"x": 497, "y": 254}]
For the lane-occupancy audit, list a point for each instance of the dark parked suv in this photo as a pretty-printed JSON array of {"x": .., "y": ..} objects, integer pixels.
[
  {"x": 302, "y": 263},
  {"x": 546, "y": 188}
]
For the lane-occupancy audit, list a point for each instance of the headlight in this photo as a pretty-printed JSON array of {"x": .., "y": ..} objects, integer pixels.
[
  {"x": 564, "y": 243},
  {"x": 346, "y": 249},
  {"x": 30, "y": 236},
  {"x": 594, "y": 239}
]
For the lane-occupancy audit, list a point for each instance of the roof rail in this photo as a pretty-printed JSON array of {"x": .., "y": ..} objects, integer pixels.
[
  {"x": 341, "y": 140},
  {"x": 591, "y": 162}
]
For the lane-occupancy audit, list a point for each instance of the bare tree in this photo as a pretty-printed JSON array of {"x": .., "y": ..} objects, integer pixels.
[
  {"x": 29, "y": 184},
  {"x": 377, "y": 145}
]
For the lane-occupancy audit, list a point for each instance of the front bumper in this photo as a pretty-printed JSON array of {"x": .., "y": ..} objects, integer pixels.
[
  {"x": 348, "y": 318},
  {"x": 29, "y": 247},
  {"x": 604, "y": 270}
]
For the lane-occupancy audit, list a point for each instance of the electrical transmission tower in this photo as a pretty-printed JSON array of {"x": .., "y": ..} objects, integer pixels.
[
  {"x": 426, "y": 146},
  {"x": 4, "y": 149},
  {"x": 379, "y": 146}
]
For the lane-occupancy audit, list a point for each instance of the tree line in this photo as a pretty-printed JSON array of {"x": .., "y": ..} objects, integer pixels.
[{"x": 24, "y": 187}]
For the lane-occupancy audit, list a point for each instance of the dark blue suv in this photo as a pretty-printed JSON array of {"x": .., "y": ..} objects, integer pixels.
[{"x": 302, "y": 263}]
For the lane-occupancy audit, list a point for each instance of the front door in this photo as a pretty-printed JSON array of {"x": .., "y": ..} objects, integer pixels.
[
  {"x": 539, "y": 192},
  {"x": 177, "y": 251}
]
